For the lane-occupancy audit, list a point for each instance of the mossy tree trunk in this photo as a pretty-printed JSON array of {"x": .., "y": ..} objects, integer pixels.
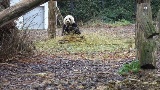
[
  {"x": 145, "y": 31},
  {"x": 52, "y": 19}
]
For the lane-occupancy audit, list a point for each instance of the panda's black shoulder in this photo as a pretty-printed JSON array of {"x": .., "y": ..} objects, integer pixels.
[
  {"x": 74, "y": 25},
  {"x": 64, "y": 25}
]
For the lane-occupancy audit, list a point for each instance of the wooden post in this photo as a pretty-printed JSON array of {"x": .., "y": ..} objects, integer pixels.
[
  {"x": 158, "y": 20},
  {"x": 158, "y": 27},
  {"x": 145, "y": 31},
  {"x": 52, "y": 19}
]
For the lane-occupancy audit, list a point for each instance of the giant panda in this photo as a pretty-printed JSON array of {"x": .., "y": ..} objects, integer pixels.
[{"x": 69, "y": 26}]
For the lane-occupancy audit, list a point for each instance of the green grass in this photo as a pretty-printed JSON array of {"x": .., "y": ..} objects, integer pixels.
[
  {"x": 93, "y": 42},
  {"x": 133, "y": 67}
]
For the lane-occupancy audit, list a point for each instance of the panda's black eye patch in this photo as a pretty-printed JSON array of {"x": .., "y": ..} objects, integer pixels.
[{"x": 69, "y": 19}]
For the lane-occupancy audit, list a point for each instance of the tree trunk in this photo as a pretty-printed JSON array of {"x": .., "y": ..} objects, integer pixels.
[
  {"x": 158, "y": 20},
  {"x": 145, "y": 31},
  {"x": 158, "y": 27},
  {"x": 52, "y": 19}
]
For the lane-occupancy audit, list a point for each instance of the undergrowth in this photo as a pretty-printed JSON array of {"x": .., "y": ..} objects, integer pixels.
[{"x": 132, "y": 67}]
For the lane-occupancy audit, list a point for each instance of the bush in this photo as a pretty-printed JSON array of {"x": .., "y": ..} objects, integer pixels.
[
  {"x": 106, "y": 10},
  {"x": 133, "y": 67},
  {"x": 84, "y": 10}
]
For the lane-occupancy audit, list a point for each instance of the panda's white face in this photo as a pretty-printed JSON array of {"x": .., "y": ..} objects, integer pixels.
[{"x": 68, "y": 20}]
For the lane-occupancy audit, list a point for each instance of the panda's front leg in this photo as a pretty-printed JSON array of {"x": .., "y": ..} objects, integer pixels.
[{"x": 62, "y": 32}]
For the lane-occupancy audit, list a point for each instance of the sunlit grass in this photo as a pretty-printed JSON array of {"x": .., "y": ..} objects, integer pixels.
[{"x": 92, "y": 42}]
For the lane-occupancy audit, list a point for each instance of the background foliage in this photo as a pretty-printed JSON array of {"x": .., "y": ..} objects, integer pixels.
[{"x": 104, "y": 10}]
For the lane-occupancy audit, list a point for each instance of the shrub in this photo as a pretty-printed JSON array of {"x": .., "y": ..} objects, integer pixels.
[
  {"x": 133, "y": 67},
  {"x": 106, "y": 10}
]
